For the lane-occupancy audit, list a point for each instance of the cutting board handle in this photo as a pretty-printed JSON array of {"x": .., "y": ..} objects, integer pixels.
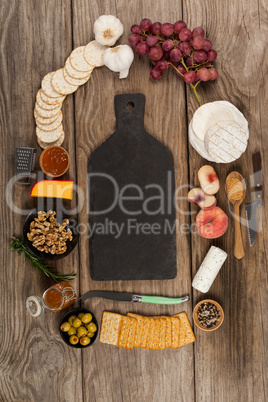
[{"x": 129, "y": 110}]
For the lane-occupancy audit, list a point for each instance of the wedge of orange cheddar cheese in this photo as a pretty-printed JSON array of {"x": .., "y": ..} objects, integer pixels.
[{"x": 53, "y": 189}]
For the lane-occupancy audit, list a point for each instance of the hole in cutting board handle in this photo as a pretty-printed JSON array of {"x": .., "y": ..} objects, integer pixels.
[{"x": 130, "y": 106}]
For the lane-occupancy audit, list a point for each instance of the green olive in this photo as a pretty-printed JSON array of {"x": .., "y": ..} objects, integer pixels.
[
  {"x": 85, "y": 340},
  {"x": 73, "y": 339},
  {"x": 65, "y": 326},
  {"x": 92, "y": 327},
  {"x": 90, "y": 334},
  {"x": 86, "y": 318},
  {"x": 77, "y": 322},
  {"x": 81, "y": 331},
  {"x": 72, "y": 331},
  {"x": 80, "y": 315},
  {"x": 70, "y": 319}
]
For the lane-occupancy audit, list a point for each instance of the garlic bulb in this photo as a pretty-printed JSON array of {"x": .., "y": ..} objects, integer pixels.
[
  {"x": 119, "y": 59},
  {"x": 107, "y": 30}
]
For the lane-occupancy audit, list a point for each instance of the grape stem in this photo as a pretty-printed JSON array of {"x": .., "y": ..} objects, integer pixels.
[{"x": 192, "y": 86}]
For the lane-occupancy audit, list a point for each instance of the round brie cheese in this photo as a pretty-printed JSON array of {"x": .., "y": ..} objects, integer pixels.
[{"x": 198, "y": 145}]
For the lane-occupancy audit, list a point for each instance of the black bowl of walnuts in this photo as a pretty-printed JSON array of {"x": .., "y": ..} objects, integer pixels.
[{"x": 79, "y": 328}]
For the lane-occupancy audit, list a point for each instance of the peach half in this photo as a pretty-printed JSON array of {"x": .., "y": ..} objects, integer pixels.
[
  {"x": 208, "y": 180},
  {"x": 212, "y": 224},
  {"x": 202, "y": 199}
]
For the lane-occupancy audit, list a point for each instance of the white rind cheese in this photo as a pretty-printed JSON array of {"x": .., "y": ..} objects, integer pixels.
[
  {"x": 209, "y": 269},
  {"x": 198, "y": 145},
  {"x": 226, "y": 141}
]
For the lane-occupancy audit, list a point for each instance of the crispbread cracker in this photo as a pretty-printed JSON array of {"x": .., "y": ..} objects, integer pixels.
[
  {"x": 186, "y": 333},
  {"x": 47, "y": 87},
  {"x": 59, "y": 141},
  {"x": 124, "y": 331},
  {"x": 175, "y": 332},
  {"x": 51, "y": 101},
  {"x": 110, "y": 328},
  {"x": 52, "y": 126},
  {"x": 131, "y": 333},
  {"x": 156, "y": 333},
  {"x": 49, "y": 136},
  {"x": 61, "y": 85},
  {"x": 145, "y": 330},
  {"x": 72, "y": 72},
  {"x": 150, "y": 336},
  {"x": 45, "y": 120},
  {"x": 78, "y": 60},
  {"x": 45, "y": 105},
  {"x": 75, "y": 81},
  {"x": 162, "y": 333},
  {"x": 139, "y": 329},
  {"x": 46, "y": 114},
  {"x": 93, "y": 53}
]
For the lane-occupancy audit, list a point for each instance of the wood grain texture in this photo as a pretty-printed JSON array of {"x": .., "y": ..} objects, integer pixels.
[
  {"x": 223, "y": 366},
  {"x": 230, "y": 363},
  {"x": 35, "y": 363}
]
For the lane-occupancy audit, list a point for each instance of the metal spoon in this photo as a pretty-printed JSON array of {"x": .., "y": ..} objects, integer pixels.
[{"x": 238, "y": 246}]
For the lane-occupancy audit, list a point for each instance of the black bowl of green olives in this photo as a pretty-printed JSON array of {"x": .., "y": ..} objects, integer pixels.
[{"x": 79, "y": 328}]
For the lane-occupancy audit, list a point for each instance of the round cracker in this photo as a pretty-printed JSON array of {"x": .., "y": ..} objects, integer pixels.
[
  {"x": 78, "y": 61},
  {"x": 46, "y": 114},
  {"x": 93, "y": 53},
  {"x": 49, "y": 136},
  {"x": 51, "y": 101},
  {"x": 47, "y": 87},
  {"x": 42, "y": 104},
  {"x": 52, "y": 126},
  {"x": 61, "y": 85},
  {"x": 75, "y": 81},
  {"x": 72, "y": 72},
  {"x": 45, "y": 120},
  {"x": 59, "y": 141}
]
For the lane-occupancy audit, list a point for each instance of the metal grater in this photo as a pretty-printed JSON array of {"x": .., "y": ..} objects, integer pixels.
[{"x": 24, "y": 164}]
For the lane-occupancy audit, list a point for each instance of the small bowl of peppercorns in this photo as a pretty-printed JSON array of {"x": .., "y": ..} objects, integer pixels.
[{"x": 208, "y": 315}]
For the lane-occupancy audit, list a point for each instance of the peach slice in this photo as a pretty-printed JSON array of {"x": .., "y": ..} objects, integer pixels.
[
  {"x": 208, "y": 180},
  {"x": 212, "y": 224},
  {"x": 204, "y": 201}
]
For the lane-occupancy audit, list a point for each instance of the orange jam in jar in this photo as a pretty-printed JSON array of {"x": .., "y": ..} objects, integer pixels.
[
  {"x": 59, "y": 296},
  {"x": 54, "y": 161}
]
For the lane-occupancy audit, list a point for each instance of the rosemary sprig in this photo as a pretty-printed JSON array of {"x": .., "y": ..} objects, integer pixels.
[{"x": 19, "y": 245}]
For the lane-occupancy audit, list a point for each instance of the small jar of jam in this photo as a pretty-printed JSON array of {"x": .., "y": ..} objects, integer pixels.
[
  {"x": 56, "y": 298},
  {"x": 54, "y": 161}
]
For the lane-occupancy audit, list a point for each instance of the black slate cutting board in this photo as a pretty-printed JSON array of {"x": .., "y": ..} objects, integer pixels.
[{"x": 131, "y": 239}]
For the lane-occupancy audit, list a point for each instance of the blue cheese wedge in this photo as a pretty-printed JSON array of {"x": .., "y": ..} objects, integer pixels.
[{"x": 226, "y": 141}]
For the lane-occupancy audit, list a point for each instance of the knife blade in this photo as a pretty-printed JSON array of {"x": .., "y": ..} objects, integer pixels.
[
  {"x": 132, "y": 298},
  {"x": 252, "y": 207}
]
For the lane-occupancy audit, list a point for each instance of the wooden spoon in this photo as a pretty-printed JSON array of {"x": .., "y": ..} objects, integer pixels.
[{"x": 238, "y": 247}]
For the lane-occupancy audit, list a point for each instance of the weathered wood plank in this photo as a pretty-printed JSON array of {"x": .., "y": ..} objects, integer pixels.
[
  {"x": 230, "y": 363},
  {"x": 36, "y": 38},
  {"x": 119, "y": 375}
]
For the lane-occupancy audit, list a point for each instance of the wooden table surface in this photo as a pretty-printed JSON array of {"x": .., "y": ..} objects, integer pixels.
[{"x": 226, "y": 365}]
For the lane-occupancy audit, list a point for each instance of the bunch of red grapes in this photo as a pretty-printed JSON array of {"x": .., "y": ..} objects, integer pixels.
[{"x": 175, "y": 46}]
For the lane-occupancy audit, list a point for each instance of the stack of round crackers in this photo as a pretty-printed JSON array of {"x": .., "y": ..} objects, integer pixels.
[{"x": 57, "y": 85}]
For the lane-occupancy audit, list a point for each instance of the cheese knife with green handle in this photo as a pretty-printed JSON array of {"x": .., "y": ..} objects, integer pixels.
[{"x": 128, "y": 297}]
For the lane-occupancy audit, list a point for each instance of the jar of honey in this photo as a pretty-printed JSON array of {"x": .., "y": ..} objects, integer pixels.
[
  {"x": 54, "y": 161},
  {"x": 56, "y": 298}
]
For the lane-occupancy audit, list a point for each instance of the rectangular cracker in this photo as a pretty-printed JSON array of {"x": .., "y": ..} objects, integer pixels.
[
  {"x": 139, "y": 329},
  {"x": 156, "y": 334},
  {"x": 145, "y": 330},
  {"x": 175, "y": 332},
  {"x": 162, "y": 333},
  {"x": 186, "y": 332},
  {"x": 124, "y": 331},
  {"x": 150, "y": 336},
  {"x": 131, "y": 333},
  {"x": 110, "y": 324},
  {"x": 168, "y": 332}
]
